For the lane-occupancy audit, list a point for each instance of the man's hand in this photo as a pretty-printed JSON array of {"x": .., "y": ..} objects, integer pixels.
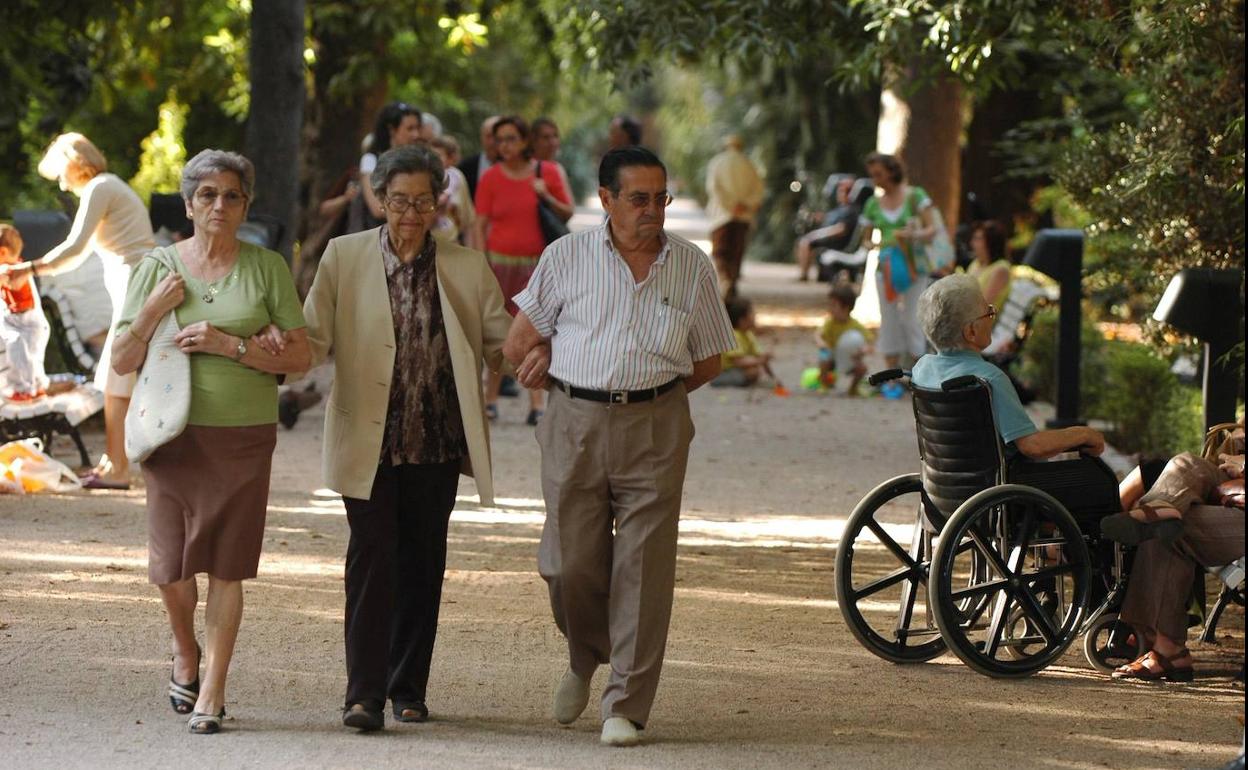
[
  {"x": 531, "y": 373},
  {"x": 1093, "y": 443}
]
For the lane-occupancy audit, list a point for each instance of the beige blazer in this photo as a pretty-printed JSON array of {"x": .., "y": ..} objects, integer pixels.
[{"x": 348, "y": 312}]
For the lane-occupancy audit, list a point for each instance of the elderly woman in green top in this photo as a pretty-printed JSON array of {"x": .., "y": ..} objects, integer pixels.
[{"x": 207, "y": 489}]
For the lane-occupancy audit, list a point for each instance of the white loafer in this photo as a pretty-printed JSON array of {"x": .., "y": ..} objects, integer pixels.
[
  {"x": 618, "y": 731},
  {"x": 571, "y": 697}
]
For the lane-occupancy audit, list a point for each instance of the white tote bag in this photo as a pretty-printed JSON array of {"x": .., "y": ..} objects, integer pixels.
[{"x": 161, "y": 401}]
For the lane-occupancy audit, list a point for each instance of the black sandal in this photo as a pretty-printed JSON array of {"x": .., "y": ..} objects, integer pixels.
[
  {"x": 182, "y": 697},
  {"x": 418, "y": 707}
]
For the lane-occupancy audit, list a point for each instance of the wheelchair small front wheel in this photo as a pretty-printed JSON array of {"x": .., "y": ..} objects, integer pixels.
[
  {"x": 1111, "y": 642},
  {"x": 1023, "y": 555},
  {"x": 880, "y": 582}
]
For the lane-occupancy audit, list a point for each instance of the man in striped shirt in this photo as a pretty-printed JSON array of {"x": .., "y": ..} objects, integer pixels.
[{"x": 634, "y": 323}]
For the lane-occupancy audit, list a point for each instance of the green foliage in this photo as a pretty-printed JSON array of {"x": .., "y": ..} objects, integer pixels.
[
  {"x": 1125, "y": 384},
  {"x": 160, "y": 166}
]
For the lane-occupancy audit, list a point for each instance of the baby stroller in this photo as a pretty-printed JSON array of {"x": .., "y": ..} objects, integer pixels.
[{"x": 1005, "y": 565}]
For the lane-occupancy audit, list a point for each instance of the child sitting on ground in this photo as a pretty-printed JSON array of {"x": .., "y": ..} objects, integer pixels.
[
  {"x": 22, "y": 327},
  {"x": 842, "y": 343},
  {"x": 745, "y": 363}
]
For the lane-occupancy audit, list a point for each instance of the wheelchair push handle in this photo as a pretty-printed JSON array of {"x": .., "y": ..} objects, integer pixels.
[{"x": 886, "y": 375}]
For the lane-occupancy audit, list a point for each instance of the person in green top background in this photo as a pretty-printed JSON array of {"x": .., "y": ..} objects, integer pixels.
[
  {"x": 903, "y": 215},
  {"x": 208, "y": 488},
  {"x": 990, "y": 267},
  {"x": 746, "y": 363},
  {"x": 842, "y": 342}
]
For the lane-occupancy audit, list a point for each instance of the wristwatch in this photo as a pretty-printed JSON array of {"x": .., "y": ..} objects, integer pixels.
[{"x": 241, "y": 350}]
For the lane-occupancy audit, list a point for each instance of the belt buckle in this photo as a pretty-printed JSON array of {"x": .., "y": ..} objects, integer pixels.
[{"x": 618, "y": 396}]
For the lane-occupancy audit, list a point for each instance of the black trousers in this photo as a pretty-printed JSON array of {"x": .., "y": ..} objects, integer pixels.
[{"x": 395, "y": 562}]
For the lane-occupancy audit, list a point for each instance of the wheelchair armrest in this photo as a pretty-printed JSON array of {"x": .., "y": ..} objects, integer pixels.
[
  {"x": 886, "y": 375},
  {"x": 957, "y": 383}
]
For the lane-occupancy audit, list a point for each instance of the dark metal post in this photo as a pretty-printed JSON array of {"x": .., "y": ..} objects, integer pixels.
[
  {"x": 1207, "y": 304},
  {"x": 1059, "y": 254}
]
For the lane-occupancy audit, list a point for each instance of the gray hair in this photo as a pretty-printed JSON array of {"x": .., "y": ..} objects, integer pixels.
[
  {"x": 946, "y": 307},
  {"x": 432, "y": 121},
  {"x": 209, "y": 162},
  {"x": 410, "y": 159}
]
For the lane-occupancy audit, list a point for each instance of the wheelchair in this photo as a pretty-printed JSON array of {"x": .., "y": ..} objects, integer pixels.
[{"x": 1005, "y": 565}]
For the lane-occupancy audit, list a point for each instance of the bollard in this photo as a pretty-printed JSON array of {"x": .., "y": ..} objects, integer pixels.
[
  {"x": 1208, "y": 305},
  {"x": 1059, "y": 255}
]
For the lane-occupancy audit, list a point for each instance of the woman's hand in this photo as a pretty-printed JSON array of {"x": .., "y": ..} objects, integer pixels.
[
  {"x": 1231, "y": 465},
  {"x": 167, "y": 295},
  {"x": 532, "y": 370},
  {"x": 270, "y": 339},
  {"x": 203, "y": 337},
  {"x": 539, "y": 187}
]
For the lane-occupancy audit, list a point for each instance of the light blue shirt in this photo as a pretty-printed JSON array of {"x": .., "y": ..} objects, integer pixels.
[{"x": 1012, "y": 420}]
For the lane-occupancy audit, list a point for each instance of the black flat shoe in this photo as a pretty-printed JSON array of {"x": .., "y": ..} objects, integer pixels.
[
  {"x": 411, "y": 711},
  {"x": 364, "y": 719},
  {"x": 182, "y": 697}
]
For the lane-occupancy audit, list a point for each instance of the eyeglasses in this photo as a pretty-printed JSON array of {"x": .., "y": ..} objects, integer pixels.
[
  {"x": 400, "y": 205},
  {"x": 992, "y": 313},
  {"x": 643, "y": 201},
  {"x": 507, "y": 139},
  {"x": 231, "y": 198}
]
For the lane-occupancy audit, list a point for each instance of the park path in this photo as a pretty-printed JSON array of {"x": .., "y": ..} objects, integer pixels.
[{"x": 761, "y": 671}]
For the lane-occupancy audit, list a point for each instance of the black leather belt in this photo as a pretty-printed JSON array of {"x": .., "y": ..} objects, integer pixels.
[{"x": 615, "y": 396}]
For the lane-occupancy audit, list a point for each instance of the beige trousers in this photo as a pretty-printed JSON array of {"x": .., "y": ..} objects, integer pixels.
[
  {"x": 1162, "y": 573},
  {"x": 612, "y": 477}
]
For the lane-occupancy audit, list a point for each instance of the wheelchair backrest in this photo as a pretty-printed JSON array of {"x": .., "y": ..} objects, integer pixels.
[{"x": 959, "y": 446}]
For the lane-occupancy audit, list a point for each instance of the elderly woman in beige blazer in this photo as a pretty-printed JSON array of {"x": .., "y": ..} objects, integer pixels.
[{"x": 409, "y": 319}]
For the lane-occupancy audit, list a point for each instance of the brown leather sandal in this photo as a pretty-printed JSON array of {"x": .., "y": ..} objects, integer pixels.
[{"x": 1138, "y": 669}]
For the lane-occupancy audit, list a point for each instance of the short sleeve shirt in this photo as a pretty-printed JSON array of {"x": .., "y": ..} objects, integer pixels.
[
  {"x": 511, "y": 206},
  {"x": 610, "y": 332},
  {"x": 259, "y": 291},
  {"x": 747, "y": 345},
  {"x": 832, "y": 329},
  {"x": 933, "y": 369}
]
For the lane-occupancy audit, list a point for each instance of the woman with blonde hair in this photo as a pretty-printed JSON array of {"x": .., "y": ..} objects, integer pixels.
[{"x": 113, "y": 222}]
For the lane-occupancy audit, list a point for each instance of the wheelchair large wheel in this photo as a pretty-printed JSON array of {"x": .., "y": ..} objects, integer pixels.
[
  {"x": 880, "y": 585},
  {"x": 1111, "y": 643},
  {"x": 1036, "y": 563}
]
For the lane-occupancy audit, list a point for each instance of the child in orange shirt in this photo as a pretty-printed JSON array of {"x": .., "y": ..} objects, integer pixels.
[{"x": 23, "y": 328}]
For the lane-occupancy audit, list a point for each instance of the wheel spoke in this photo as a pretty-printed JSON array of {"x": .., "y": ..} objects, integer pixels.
[
  {"x": 875, "y": 586},
  {"x": 890, "y": 543},
  {"x": 906, "y": 613},
  {"x": 997, "y": 626},
  {"x": 1039, "y": 618},
  {"x": 977, "y": 590},
  {"x": 1026, "y": 531},
  {"x": 1047, "y": 572},
  {"x": 985, "y": 547}
]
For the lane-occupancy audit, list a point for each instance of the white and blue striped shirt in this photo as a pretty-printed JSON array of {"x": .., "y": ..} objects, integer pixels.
[{"x": 609, "y": 332}]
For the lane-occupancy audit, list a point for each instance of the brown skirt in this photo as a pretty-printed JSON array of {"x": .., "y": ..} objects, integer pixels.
[{"x": 207, "y": 495}]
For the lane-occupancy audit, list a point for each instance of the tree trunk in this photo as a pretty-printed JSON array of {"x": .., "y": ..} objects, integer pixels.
[
  {"x": 921, "y": 122},
  {"x": 984, "y": 168},
  {"x": 276, "y": 117},
  {"x": 338, "y": 121}
]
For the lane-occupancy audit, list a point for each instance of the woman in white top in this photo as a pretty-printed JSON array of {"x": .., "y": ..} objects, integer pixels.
[
  {"x": 398, "y": 124},
  {"x": 113, "y": 222}
]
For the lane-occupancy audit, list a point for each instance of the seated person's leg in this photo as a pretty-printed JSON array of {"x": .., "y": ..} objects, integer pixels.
[
  {"x": 1161, "y": 582},
  {"x": 1186, "y": 481},
  {"x": 734, "y": 377}
]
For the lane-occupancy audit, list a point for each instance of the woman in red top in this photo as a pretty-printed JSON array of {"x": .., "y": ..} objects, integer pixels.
[{"x": 507, "y": 223}]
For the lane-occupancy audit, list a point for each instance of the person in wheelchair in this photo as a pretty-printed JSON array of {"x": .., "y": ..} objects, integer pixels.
[{"x": 958, "y": 322}]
